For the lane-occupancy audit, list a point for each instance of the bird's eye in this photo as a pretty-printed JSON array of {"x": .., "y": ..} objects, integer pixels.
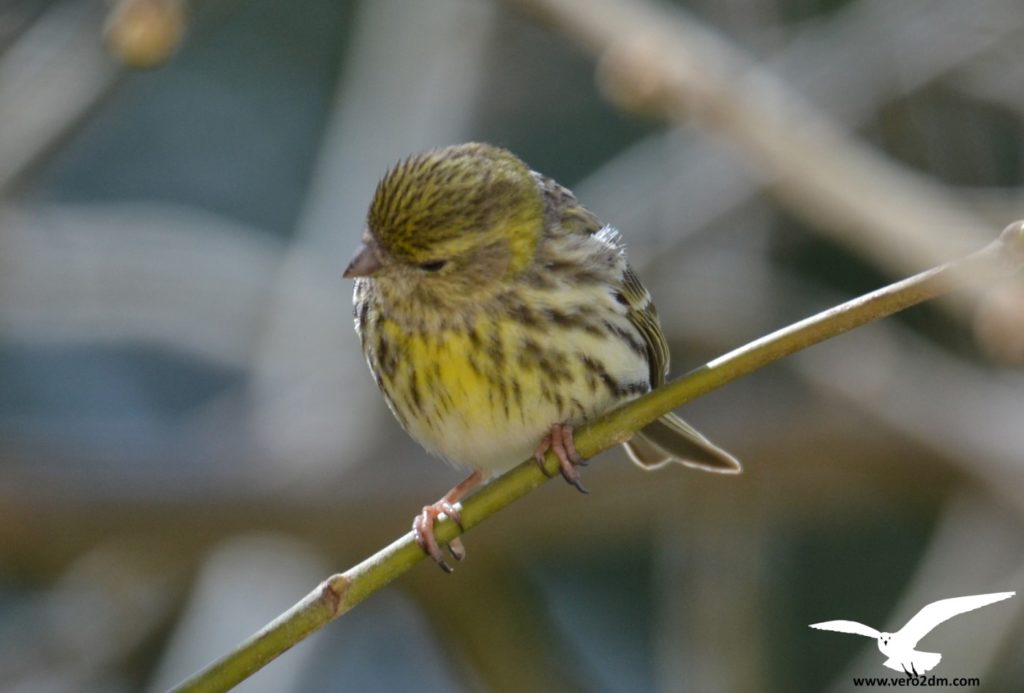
[{"x": 433, "y": 266}]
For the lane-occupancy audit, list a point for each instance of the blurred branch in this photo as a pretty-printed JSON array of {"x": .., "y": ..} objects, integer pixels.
[
  {"x": 663, "y": 63},
  {"x": 340, "y": 592},
  {"x": 136, "y": 272},
  {"x": 996, "y": 203},
  {"x": 908, "y": 391},
  {"x": 683, "y": 184},
  {"x": 995, "y": 79},
  {"x": 870, "y": 52},
  {"x": 15, "y": 18},
  {"x": 50, "y": 78}
]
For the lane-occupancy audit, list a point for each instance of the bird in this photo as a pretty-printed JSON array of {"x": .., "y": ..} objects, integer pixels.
[
  {"x": 900, "y": 646},
  {"x": 496, "y": 313}
]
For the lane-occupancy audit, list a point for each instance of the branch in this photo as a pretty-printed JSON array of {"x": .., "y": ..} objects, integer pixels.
[
  {"x": 53, "y": 75},
  {"x": 339, "y": 593},
  {"x": 658, "y": 61}
]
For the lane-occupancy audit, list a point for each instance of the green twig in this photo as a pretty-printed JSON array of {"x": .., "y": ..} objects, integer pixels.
[{"x": 339, "y": 593}]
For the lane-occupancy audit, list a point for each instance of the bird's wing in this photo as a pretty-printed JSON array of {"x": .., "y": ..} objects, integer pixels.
[
  {"x": 574, "y": 218},
  {"x": 643, "y": 316},
  {"x": 937, "y": 612},
  {"x": 847, "y": 627},
  {"x": 669, "y": 438}
]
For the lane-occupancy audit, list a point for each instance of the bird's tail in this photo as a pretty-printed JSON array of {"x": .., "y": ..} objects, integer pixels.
[
  {"x": 925, "y": 661},
  {"x": 914, "y": 663},
  {"x": 670, "y": 439}
]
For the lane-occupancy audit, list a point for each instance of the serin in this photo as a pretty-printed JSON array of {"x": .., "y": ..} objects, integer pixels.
[{"x": 496, "y": 313}]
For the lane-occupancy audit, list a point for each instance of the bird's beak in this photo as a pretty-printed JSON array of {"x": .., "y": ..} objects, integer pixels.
[{"x": 364, "y": 263}]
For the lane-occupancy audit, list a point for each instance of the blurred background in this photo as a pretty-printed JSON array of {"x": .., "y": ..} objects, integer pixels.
[{"x": 190, "y": 440}]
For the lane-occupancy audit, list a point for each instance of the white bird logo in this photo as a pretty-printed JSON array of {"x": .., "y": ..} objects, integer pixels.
[{"x": 899, "y": 646}]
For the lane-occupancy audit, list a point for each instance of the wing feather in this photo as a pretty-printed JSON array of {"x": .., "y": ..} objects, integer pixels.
[
  {"x": 644, "y": 317},
  {"x": 668, "y": 439},
  {"x": 847, "y": 627},
  {"x": 925, "y": 620}
]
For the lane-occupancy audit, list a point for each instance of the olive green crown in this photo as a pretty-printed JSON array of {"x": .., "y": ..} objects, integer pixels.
[{"x": 451, "y": 198}]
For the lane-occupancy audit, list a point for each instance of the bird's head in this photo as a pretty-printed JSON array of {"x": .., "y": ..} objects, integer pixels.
[{"x": 447, "y": 224}]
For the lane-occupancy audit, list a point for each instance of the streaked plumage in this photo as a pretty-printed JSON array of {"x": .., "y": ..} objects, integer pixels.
[{"x": 491, "y": 305}]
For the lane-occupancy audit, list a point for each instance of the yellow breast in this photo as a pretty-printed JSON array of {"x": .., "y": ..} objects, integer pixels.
[{"x": 483, "y": 395}]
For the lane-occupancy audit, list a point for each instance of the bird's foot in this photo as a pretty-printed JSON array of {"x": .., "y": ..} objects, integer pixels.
[
  {"x": 423, "y": 524},
  {"x": 913, "y": 671},
  {"x": 423, "y": 529},
  {"x": 559, "y": 441}
]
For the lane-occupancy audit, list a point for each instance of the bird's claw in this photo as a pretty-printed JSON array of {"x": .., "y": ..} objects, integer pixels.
[
  {"x": 423, "y": 531},
  {"x": 559, "y": 441},
  {"x": 457, "y": 550}
]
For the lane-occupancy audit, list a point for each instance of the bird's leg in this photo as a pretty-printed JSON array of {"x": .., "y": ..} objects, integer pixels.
[
  {"x": 559, "y": 441},
  {"x": 423, "y": 524}
]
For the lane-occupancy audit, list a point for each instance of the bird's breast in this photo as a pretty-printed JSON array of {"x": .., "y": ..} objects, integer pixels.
[{"x": 484, "y": 391}]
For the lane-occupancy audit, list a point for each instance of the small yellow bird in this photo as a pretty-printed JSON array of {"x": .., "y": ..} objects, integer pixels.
[{"x": 496, "y": 313}]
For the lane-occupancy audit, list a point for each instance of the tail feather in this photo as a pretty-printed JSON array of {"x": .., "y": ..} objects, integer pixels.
[
  {"x": 926, "y": 661},
  {"x": 915, "y": 661},
  {"x": 670, "y": 439}
]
